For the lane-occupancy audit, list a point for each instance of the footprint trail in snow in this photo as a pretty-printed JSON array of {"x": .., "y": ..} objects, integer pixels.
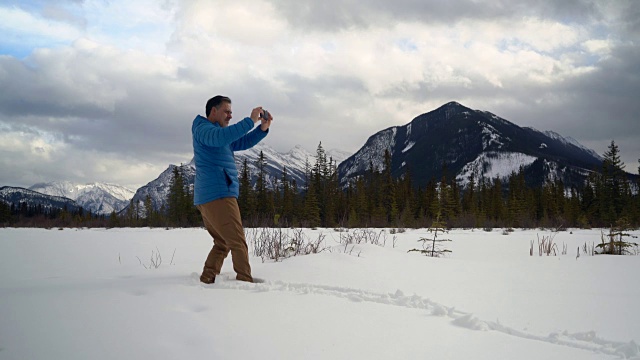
[{"x": 582, "y": 340}]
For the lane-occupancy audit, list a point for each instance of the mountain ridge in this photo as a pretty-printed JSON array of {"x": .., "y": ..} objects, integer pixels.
[
  {"x": 19, "y": 195},
  {"x": 99, "y": 198},
  {"x": 453, "y": 136}
]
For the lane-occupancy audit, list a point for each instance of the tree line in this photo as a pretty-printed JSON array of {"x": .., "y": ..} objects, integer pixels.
[
  {"x": 38, "y": 215},
  {"x": 377, "y": 199}
]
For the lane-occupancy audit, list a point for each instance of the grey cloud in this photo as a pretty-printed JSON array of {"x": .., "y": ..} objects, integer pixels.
[
  {"x": 148, "y": 117},
  {"x": 335, "y": 15},
  {"x": 593, "y": 108}
]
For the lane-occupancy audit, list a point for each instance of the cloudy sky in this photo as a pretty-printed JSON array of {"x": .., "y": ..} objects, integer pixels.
[{"x": 106, "y": 90}]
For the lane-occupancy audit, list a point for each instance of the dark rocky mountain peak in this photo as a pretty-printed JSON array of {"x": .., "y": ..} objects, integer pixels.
[{"x": 469, "y": 142}]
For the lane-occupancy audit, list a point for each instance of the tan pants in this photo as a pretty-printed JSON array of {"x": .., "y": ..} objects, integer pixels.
[{"x": 222, "y": 220}]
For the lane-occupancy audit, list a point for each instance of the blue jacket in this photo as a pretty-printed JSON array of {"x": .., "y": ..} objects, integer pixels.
[{"x": 213, "y": 147}]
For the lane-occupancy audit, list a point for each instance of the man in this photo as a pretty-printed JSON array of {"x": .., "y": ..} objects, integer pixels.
[{"x": 216, "y": 185}]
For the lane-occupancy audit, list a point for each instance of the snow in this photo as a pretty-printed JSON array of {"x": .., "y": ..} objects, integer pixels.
[
  {"x": 79, "y": 294},
  {"x": 490, "y": 136},
  {"x": 408, "y": 147},
  {"x": 492, "y": 164},
  {"x": 566, "y": 140}
]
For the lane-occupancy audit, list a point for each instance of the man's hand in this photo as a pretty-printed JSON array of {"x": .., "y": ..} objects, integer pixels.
[
  {"x": 255, "y": 114},
  {"x": 266, "y": 122}
]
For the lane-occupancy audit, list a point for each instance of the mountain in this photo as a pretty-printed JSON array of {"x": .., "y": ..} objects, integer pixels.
[
  {"x": 294, "y": 160},
  {"x": 18, "y": 196},
  {"x": 471, "y": 142},
  {"x": 100, "y": 198},
  {"x": 158, "y": 189}
]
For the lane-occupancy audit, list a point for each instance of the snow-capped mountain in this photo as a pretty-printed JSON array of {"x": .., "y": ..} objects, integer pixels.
[
  {"x": 99, "y": 198},
  {"x": 158, "y": 189},
  {"x": 18, "y": 196},
  {"x": 294, "y": 160},
  {"x": 471, "y": 142}
]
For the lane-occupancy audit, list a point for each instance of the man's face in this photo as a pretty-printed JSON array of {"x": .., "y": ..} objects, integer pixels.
[{"x": 222, "y": 115}]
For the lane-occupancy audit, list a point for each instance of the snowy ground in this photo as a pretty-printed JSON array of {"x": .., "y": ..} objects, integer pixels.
[{"x": 83, "y": 294}]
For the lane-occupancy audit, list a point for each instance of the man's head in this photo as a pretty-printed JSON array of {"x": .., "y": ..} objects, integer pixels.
[{"x": 218, "y": 109}]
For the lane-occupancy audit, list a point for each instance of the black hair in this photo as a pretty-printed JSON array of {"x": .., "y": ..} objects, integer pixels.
[{"x": 215, "y": 102}]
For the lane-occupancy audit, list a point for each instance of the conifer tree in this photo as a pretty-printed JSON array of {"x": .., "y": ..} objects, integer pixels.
[
  {"x": 431, "y": 202},
  {"x": 517, "y": 205},
  {"x": 5, "y": 213},
  {"x": 287, "y": 207},
  {"x": 148, "y": 207},
  {"x": 614, "y": 181},
  {"x": 496, "y": 207},
  {"x": 246, "y": 198},
  {"x": 319, "y": 174},
  {"x": 389, "y": 190},
  {"x": 311, "y": 207},
  {"x": 178, "y": 206},
  {"x": 264, "y": 202},
  {"x": 360, "y": 213}
]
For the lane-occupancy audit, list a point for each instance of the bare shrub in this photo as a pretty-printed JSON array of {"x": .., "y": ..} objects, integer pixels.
[
  {"x": 154, "y": 261},
  {"x": 279, "y": 243},
  {"x": 364, "y": 236},
  {"x": 589, "y": 249},
  {"x": 547, "y": 246}
]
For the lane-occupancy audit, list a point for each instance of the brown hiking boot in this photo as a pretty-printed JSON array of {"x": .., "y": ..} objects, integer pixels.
[{"x": 208, "y": 276}]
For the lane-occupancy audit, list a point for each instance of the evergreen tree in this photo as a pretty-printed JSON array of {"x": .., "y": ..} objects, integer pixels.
[
  {"x": 389, "y": 190},
  {"x": 150, "y": 213},
  {"x": 319, "y": 174},
  {"x": 287, "y": 198},
  {"x": 178, "y": 206},
  {"x": 518, "y": 208},
  {"x": 614, "y": 183},
  {"x": 113, "y": 220},
  {"x": 311, "y": 208},
  {"x": 128, "y": 216},
  {"x": 5, "y": 213},
  {"x": 470, "y": 201},
  {"x": 264, "y": 202},
  {"x": 246, "y": 199},
  {"x": 359, "y": 212},
  {"x": 496, "y": 207},
  {"x": 431, "y": 201}
]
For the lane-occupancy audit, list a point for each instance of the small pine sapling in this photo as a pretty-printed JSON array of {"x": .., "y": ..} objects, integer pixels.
[
  {"x": 432, "y": 247},
  {"x": 616, "y": 245}
]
